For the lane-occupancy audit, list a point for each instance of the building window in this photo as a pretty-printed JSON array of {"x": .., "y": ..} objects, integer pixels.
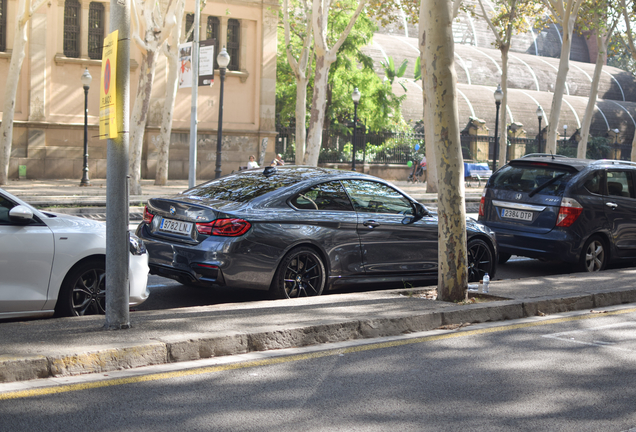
[
  {"x": 95, "y": 30},
  {"x": 189, "y": 23},
  {"x": 233, "y": 43},
  {"x": 213, "y": 33},
  {"x": 3, "y": 25},
  {"x": 72, "y": 28}
]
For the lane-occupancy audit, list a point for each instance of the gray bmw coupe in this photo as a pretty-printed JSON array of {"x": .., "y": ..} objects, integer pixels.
[{"x": 297, "y": 230}]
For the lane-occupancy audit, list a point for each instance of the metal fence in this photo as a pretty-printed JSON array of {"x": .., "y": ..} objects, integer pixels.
[{"x": 399, "y": 148}]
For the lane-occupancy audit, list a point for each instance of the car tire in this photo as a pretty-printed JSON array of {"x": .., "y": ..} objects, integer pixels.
[
  {"x": 503, "y": 258},
  {"x": 301, "y": 273},
  {"x": 83, "y": 291},
  {"x": 481, "y": 260},
  {"x": 594, "y": 255}
]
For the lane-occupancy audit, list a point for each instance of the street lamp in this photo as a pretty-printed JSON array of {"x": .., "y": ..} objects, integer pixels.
[
  {"x": 86, "y": 83},
  {"x": 539, "y": 116},
  {"x": 565, "y": 134},
  {"x": 498, "y": 97},
  {"x": 355, "y": 96},
  {"x": 223, "y": 59}
]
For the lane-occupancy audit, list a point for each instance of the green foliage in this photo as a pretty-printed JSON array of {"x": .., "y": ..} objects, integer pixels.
[
  {"x": 598, "y": 148},
  {"x": 391, "y": 73},
  {"x": 379, "y": 107}
]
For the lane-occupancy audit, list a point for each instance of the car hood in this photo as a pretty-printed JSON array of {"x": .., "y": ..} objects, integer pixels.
[{"x": 63, "y": 223}]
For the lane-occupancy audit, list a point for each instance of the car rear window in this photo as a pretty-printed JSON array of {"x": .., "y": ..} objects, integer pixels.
[
  {"x": 245, "y": 186},
  {"x": 536, "y": 178}
]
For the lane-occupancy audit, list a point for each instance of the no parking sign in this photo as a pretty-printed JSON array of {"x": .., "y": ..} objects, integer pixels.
[{"x": 108, "y": 89}]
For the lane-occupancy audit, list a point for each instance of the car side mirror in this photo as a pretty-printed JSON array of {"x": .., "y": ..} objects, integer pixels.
[
  {"x": 21, "y": 213},
  {"x": 420, "y": 212}
]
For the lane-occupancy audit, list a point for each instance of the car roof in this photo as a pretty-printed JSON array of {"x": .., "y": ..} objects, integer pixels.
[{"x": 577, "y": 164}]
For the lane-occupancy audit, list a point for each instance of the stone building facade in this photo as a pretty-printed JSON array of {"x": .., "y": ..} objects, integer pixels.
[{"x": 64, "y": 38}]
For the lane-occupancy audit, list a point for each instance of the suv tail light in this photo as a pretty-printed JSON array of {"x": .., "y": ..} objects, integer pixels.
[
  {"x": 481, "y": 203},
  {"x": 147, "y": 216},
  {"x": 569, "y": 212},
  {"x": 224, "y": 227}
]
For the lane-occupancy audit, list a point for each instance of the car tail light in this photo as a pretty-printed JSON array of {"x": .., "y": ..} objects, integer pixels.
[
  {"x": 482, "y": 202},
  {"x": 569, "y": 212},
  {"x": 147, "y": 216},
  {"x": 224, "y": 227}
]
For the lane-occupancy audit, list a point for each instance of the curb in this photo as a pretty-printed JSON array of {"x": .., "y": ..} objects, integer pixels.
[{"x": 188, "y": 349}]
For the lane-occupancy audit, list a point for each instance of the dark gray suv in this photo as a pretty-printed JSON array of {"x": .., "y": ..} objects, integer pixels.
[{"x": 578, "y": 211}]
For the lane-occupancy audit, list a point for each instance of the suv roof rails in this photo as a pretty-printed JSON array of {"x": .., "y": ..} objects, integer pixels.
[
  {"x": 543, "y": 155},
  {"x": 613, "y": 162}
]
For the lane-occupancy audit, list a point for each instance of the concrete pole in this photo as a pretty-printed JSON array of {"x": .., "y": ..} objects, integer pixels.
[
  {"x": 192, "y": 176},
  {"x": 117, "y": 205}
]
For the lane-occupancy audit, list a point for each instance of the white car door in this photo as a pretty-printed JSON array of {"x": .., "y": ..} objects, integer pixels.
[{"x": 26, "y": 258}]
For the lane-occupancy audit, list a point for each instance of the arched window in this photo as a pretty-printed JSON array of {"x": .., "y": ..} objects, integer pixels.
[
  {"x": 233, "y": 43},
  {"x": 72, "y": 28},
  {"x": 213, "y": 32},
  {"x": 3, "y": 25},
  {"x": 95, "y": 30}
]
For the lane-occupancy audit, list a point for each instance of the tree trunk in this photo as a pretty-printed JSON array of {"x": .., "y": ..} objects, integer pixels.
[
  {"x": 324, "y": 58},
  {"x": 11, "y": 89},
  {"x": 503, "y": 129},
  {"x": 440, "y": 85},
  {"x": 301, "y": 114},
  {"x": 581, "y": 151},
  {"x": 163, "y": 147},
  {"x": 139, "y": 118},
  {"x": 429, "y": 121}
]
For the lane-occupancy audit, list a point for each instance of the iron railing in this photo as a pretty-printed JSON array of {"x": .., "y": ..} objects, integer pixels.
[{"x": 399, "y": 148}]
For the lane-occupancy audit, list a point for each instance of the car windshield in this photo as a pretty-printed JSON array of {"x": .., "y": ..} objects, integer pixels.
[
  {"x": 534, "y": 178},
  {"x": 245, "y": 186}
]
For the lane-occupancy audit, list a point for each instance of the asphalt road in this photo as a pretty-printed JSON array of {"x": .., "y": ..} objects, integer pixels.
[{"x": 567, "y": 373}]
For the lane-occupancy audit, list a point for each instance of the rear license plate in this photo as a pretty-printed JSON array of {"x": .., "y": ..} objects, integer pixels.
[
  {"x": 516, "y": 214},
  {"x": 175, "y": 226}
]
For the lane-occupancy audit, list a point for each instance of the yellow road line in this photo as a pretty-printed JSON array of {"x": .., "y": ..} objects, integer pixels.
[{"x": 292, "y": 358}]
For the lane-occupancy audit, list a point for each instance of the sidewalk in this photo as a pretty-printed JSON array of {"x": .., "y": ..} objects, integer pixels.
[{"x": 70, "y": 346}]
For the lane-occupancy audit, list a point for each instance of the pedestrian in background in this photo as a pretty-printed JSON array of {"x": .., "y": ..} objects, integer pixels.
[
  {"x": 252, "y": 163},
  {"x": 278, "y": 160}
]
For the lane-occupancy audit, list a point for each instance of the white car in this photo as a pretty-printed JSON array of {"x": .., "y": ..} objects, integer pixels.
[{"x": 55, "y": 264}]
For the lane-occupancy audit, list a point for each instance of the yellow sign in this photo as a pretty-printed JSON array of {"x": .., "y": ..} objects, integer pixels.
[{"x": 108, "y": 91}]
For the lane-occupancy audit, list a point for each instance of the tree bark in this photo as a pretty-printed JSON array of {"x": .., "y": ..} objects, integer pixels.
[
  {"x": 11, "y": 87},
  {"x": 440, "y": 85},
  {"x": 324, "y": 58},
  {"x": 171, "y": 51}
]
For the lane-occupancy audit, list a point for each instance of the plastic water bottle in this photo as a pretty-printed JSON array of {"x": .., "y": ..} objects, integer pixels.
[{"x": 486, "y": 283}]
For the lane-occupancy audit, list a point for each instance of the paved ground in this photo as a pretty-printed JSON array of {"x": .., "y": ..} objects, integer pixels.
[{"x": 58, "y": 347}]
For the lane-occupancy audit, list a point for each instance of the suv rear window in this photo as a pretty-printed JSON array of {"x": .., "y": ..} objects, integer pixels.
[{"x": 534, "y": 178}]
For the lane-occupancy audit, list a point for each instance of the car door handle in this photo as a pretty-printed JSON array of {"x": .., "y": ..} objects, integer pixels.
[
  {"x": 611, "y": 205},
  {"x": 370, "y": 224}
]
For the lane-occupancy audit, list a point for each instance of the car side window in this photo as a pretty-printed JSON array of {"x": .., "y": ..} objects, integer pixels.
[
  {"x": 5, "y": 206},
  {"x": 323, "y": 196},
  {"x": 373, "y": 197},
  {"x": 620, "y": 184}
]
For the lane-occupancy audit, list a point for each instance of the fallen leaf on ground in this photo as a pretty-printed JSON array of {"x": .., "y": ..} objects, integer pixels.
[
  {"x": 594, "y": 311},
  {"x": 539, "y": 313}
]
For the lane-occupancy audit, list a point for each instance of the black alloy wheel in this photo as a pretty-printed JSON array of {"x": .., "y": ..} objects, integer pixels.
[
  {"x": 300, "y": 274},
  {"x": 481, "y": 260},
  {"x": 594, "y": 255},
  {"x": 84, "y": 290}
]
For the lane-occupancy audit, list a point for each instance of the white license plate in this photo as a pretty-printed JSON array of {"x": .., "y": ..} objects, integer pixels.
[
  {"x": 175, "y": 226},
  {"x": 517, "y": 214}
]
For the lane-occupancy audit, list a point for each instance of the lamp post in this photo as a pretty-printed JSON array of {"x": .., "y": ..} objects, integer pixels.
[
  {"x": 223, "y": 59},
  {"x": 539, "y": 116},
  {"x": 355, "y": 96},
  {"x": 498, "y": 97},
  {"x": 565, "y": 134},
  {"x": 86, "y": 83},
  {"x": 616, "y": 131}
]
